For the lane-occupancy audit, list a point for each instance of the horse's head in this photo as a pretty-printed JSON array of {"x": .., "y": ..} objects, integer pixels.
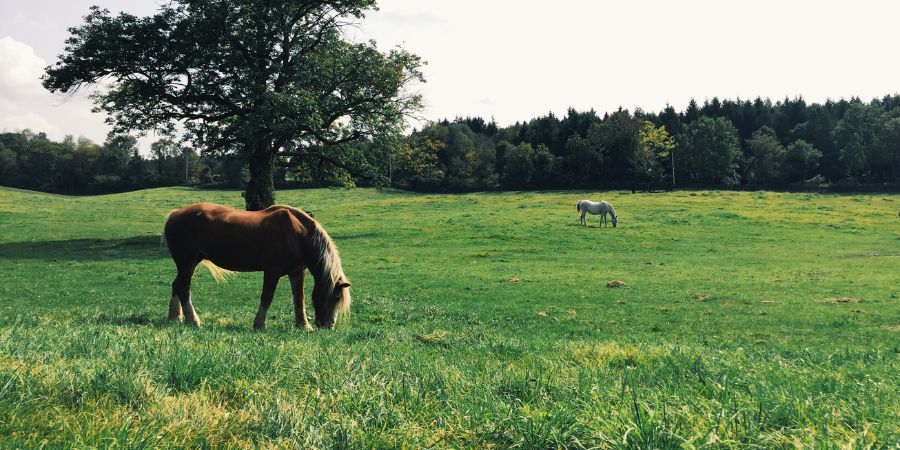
[
  {"x": 329, "y": 301},
  {"x": 615, "y": 220}
]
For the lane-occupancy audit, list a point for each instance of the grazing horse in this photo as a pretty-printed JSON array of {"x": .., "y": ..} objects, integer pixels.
[
  {"x": 278, "y": 241},
  {"x": 602, "y": 208}
]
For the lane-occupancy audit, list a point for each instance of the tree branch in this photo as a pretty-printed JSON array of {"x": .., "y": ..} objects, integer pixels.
[{"x": 300, "y": 156}]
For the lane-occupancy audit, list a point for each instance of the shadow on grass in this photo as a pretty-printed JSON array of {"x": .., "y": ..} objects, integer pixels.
[
  {"x": 138, "y": 247},
  {"x": 158, "y": 320},
  {"x": 139, "y": 318}
]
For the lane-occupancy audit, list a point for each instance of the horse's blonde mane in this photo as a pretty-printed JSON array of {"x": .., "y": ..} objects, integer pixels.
[{"x": 331, "y": 266}]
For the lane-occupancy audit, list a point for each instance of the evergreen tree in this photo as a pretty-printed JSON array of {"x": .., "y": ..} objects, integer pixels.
[{"x": 692, "y": 112}]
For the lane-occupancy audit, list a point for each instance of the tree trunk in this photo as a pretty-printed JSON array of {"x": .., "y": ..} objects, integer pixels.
[{"x": 261, "y": 186}]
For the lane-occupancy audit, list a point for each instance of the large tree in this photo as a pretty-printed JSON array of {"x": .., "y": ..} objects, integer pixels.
[
  {"x": 857, "y": 136},
  {"x": 656, "y": 147},
  {"x": 275, "y": 80},
  {"x": 765, "y": 165},
  {"x": 711, "y": 151}
]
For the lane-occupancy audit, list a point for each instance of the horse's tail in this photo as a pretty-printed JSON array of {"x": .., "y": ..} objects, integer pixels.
[
  {"x": 578, "y": 207},
  {"x": 218, "y": 273}
]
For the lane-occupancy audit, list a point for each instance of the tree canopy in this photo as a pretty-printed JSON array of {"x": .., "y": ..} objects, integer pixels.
[{"x": 275, "y": 82}]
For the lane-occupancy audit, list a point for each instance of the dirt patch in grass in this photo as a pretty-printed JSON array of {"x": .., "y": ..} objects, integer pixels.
[
  {"x": 616, "y": 284},
  {"x": 864, "y": 255},
  {"x": 843, "y": 300}
]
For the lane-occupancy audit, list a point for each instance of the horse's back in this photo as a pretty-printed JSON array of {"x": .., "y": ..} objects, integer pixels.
[
  {"x": 199, "y": 212},
  {"x": 194, "y": 226},
  {"x": 234, "y": 239},
  {"x": 223, "y": 215},
  {"x": 591, "y": 206}
]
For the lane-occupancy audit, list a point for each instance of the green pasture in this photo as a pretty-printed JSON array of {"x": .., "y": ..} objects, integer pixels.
[{"x": 746, "y": 320}]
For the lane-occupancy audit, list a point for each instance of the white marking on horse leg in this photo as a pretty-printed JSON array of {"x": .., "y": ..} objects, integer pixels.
[
  {"x": 175, "y": 309},
  {"x": 190, "y": 315},
  {"x": 300, "y": 319},
  {"x": 259, "y": 323}
]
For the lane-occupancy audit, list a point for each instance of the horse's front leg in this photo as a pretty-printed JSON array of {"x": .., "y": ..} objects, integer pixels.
[
  {"x": 583, "y": 222},
  {"x": 300, "y": 321},
  {"x": 270, "y": 282}
]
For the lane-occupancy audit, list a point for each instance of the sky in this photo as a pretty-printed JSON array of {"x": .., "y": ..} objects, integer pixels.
[{"x": 514, "y": 61}]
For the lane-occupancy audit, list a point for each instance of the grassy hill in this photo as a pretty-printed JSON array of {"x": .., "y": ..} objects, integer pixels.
[{"x": 747, "y": 320}]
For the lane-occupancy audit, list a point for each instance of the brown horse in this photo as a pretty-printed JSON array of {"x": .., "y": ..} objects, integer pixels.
[{"x": 279, "y": 241}]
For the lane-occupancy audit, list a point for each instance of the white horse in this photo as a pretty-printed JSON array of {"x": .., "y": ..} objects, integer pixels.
[{"x": 602, "y": 208}]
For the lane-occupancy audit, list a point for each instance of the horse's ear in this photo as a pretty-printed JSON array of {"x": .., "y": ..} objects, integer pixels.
[{"x": 342, "y": 283}]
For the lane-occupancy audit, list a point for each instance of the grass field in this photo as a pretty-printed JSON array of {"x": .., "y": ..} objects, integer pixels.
[{"x": 747, "y": 320}]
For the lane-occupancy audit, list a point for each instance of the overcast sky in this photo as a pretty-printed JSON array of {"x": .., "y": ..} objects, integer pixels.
[{"x": 515, "y": 61}]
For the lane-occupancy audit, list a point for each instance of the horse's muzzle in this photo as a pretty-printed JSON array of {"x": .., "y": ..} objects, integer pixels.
[{"x": 329, "y": 325}]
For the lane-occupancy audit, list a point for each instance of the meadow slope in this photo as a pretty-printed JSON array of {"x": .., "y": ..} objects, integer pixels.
[{"x": 747, "y": 320}]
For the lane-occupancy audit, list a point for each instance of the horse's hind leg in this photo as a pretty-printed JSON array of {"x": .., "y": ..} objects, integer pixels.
[
  {"x": 180, "y": 305},
  {"x": 300, "y": 320},
  {"x": 175, "y": 307},
  {"x": 270, "y": 282}
]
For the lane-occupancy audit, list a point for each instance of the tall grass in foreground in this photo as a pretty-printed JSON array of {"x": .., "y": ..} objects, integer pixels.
[{"x": 442, "y": 349}]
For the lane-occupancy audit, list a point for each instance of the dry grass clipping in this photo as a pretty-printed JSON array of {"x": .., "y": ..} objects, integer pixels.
[{"x": 616, "y": 284}]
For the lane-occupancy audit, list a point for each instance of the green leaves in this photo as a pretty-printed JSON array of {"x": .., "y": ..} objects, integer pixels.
[
  {"x": 238, "y": 72},
  {"x": 712, "y": 151}
]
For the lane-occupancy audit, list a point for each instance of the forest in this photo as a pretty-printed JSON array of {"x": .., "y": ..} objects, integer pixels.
[{"x": 728, "y": 144}]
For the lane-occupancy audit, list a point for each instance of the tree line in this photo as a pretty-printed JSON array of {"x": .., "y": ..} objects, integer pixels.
[
  {"x": 30, "y": 160},
  {"x": 730, "y": 143}
]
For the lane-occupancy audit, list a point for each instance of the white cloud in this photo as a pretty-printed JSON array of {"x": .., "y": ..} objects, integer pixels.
[
  {"x": 13, "y": 118},
  {"x": 20, "y": 70},
  {"x": 24, "y": 103}
]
